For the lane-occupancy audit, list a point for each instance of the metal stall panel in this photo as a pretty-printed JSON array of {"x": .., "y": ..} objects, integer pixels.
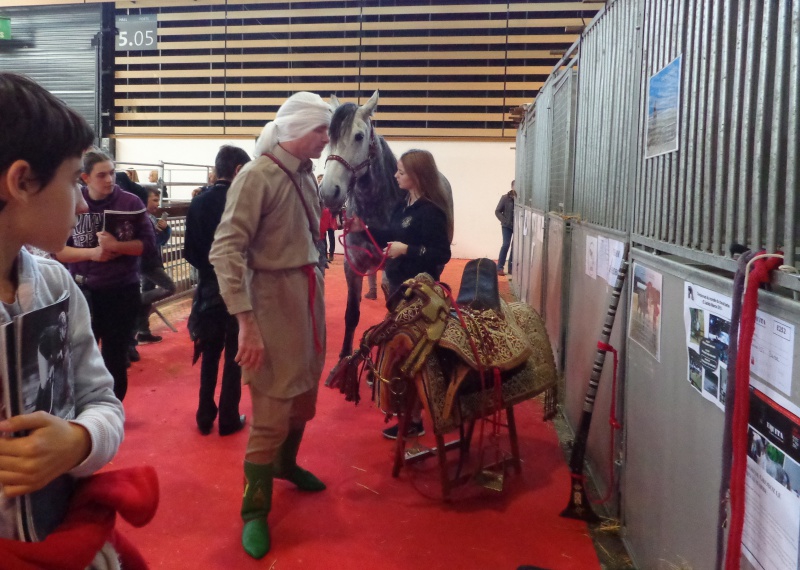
[
  {"x": 673, "y": 440},
  {"x": 542, "y": 148},
  {"x": 588, "y": 304},
  {"x": 53, "y": 45},
  {"x": 734, "y": 178},
  {"x": 673, "y": 436},
  {"x": 609, "y": 76},
  {"x": 536, "y": 261},
  {"x": 525, "y": 254},
  {"x": 563, "y": 142},
  {"x": 516, "y": 266},
  {"x": 557, "y": 245}
]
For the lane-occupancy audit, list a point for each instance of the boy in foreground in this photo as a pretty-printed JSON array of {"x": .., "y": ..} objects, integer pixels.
[{"x": 41, "y": 143}]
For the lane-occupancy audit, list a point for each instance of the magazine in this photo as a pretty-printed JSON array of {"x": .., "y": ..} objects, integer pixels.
[
  {"x": 34, "y": 375},
  {"x": 123, "y": 225}
]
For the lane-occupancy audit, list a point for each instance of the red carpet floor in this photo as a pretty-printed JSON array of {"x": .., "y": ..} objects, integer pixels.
[{"x": 366, "y": 519}]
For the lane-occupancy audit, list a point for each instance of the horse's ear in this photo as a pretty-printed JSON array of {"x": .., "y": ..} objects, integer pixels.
[
  {"x": 334, "y": 102},
  {"x": 369, "y": 107}
]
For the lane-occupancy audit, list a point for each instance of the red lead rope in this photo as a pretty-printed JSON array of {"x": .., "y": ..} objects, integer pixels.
[
  {"x": 612, "y": 420},
  {"x": 348, "y": 222},
  {"x": 741, "y": 407}
]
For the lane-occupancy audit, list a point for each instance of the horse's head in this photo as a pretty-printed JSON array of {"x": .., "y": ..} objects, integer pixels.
[{"x": 352, "y": 149}]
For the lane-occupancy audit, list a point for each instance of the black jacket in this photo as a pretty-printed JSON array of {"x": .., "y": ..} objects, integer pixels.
[
  {"x": 207, "y": 319},
  {"x": 423, "y": 227}
]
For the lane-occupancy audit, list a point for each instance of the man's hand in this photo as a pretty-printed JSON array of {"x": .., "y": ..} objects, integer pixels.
[
  {"x": 251, "y": 345},
  {"x": 107, "y": 241},
  {"x": 52, "y": 447}
]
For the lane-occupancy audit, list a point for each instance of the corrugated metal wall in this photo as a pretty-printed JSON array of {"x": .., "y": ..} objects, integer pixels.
[
  {"x": 58, "y": 51},
  {"x": 608, "y": 116},
  {"x": 734, "y": 178},
  {"x": 563, "y": 142}
]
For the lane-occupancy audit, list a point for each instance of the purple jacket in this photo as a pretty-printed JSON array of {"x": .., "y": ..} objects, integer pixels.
[{"x": 124, "y": 270}]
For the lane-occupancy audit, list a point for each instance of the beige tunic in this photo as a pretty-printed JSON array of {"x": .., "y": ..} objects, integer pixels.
[{"x": 260, "y": 246}]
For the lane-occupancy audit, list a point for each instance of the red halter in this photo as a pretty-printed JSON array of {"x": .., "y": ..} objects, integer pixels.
[{"x": 354, "y": 169}]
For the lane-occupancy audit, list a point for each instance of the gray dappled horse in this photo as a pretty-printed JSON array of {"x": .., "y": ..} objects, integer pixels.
[{"x": 359, "y": 177}]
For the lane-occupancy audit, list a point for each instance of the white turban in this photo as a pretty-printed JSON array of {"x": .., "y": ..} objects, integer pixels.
[{"x": 299, "y": 115}]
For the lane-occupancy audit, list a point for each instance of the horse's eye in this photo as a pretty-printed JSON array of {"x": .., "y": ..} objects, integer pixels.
[{"x": 359, "y": 137}]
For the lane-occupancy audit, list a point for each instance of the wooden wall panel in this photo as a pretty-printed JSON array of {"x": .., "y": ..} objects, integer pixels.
[{"x": 445, "y": 68}]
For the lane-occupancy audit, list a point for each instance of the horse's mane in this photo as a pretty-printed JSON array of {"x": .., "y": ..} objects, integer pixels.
[{"x": 343, "y": 115}]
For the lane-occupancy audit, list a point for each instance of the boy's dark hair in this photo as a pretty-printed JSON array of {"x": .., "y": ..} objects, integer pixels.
[
  {"x": 152, "y": 190},
  {"x": 93, "y": 157},
  {"x": 37, "y": 127},
  {"x": 228, "y": 158}
]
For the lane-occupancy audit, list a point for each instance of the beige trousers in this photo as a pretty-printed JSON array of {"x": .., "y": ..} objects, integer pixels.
[{"x": 273, "y": 418}]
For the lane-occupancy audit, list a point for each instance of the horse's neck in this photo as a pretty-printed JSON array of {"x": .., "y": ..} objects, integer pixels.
[{"x": 377, "y": 194}]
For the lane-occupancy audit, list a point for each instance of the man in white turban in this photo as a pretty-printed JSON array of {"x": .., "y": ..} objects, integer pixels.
[{"x": 265, "y": 257}]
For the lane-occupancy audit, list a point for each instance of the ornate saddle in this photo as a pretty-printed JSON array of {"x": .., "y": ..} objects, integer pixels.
[{"x": 483, "y": 337}]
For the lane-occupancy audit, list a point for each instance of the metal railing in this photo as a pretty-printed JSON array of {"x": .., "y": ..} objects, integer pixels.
[
  {"x": 174, "y": 175},
  {"x": 183, "y": 274}
]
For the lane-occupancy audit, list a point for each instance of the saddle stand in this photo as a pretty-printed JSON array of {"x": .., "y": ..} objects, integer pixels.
[
  {"x": 484, "y": 363},
  {"x": 489, "y": 475},
  {"x": 465, "y": 361}
]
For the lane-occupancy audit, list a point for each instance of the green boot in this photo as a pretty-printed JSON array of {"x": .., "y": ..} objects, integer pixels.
[
  {"x": 286, "y": 464},
  {"x": 256, "y": 504}
]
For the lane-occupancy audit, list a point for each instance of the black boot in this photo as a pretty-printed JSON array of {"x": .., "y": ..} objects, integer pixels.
[
  {"x": 256, "y": 504},
  {"x": 286, "y": 464}
]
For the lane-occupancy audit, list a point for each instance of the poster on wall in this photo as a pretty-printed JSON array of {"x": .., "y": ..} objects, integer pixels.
[
  {"x": 707, "y": 316},
  {"x": 772, "y": 357},
  {"x": 772, "y": 482},
  {"x": 645, "y": 311},
  {"x": 616, "y": 250},
  {"x": 663, "y": 101},
  {"x": 591, "y": 256},
  {"x": 707, "y": 319}
]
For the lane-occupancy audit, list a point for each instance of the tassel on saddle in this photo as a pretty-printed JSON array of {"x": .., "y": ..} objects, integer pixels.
[{"x": 345, "y": 376}]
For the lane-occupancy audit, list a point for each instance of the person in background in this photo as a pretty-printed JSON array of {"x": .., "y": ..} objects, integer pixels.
[
  {"x": 505, "y": 213},
  {"x": 211, "y": 179},
  {"x": 327, "y": 227},
  {"x": 106, "y": 269},
  {"x": 211, "y": 327},
  {"x": 417, "y": 239},
  {"x": 266, "y": 260},
  {"x": 39, "y": 199},
  {"x": 156, "y": 282},
  {"x": 154, "y": 178},
  {"x": 124, "y": 182}
]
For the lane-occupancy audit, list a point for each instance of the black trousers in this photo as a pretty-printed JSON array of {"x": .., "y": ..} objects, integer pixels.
[
  {"x": 331, "y": 242},
  {"x": 231, "y": 389},
  {"x": 114, "y": 313}
]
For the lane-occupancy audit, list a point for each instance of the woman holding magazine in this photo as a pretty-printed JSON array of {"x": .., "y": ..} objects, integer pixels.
[{"x": 105, "y": 267}]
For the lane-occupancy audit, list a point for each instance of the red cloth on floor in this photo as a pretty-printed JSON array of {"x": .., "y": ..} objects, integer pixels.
[{"x": 89, "y": 524}]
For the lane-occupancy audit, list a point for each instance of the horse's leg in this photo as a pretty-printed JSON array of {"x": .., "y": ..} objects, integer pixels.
[{"x": 352, "y": 313}]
